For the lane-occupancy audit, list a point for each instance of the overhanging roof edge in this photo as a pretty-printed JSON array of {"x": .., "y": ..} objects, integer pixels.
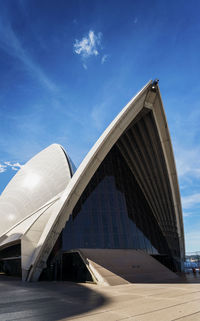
[{"x": 172, "y": 170}]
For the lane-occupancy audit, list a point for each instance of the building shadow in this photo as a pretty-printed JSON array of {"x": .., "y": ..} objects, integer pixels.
[{"x": 47, "y": 301}]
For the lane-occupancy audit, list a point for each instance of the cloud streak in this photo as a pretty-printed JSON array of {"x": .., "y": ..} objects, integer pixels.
[
  {"x": 104, "y": 59},
  {"x": 188, "y": 162},
  {"x": 186, "y": 214},
  {"x": 14, "y": 166},
  {"x": 10, "y": 43},
  {"x": 191, "y": 201},
  {"x": 2, "y": 168}
]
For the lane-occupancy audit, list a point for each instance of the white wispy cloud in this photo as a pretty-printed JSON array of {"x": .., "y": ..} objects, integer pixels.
[
  {"x": 14, "y": 166},
  {"x": 11, "y": 44},
  {"x": 7, "y": 164},
  {"x": 88, "y": 46},
  {"x": 99, "y": 113},
  {"x": 2, "y": 168},
  {"x": 98, "y": 116},
  {"x": 188, "y": 161},
  {"x": 186, "y": 214},
  {"x": 187, "y": 151},
  {"x": 104, "y": 58},
  {"x": 190, "y": 201}
]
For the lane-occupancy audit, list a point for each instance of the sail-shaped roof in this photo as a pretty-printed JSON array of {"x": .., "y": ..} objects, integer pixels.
[{"x": 141, "y": 133}]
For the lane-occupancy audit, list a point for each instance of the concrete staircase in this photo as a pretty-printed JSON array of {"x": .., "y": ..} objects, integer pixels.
[{"x": 116, "y": 266}]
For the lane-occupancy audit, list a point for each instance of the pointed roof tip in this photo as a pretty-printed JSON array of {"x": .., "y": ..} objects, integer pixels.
[
  {"x": 56, "y": 145},
  {"x": 154, "y": 85}
]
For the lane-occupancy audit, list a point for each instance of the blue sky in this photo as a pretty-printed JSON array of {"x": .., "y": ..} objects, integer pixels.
[{"x": 68, "y": 68}]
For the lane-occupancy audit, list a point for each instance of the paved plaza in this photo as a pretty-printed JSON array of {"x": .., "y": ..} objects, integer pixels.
[{"x": 50, "y": 301}]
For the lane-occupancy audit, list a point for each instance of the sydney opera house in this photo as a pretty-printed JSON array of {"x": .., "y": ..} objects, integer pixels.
[{"x": 116, "y": 219}]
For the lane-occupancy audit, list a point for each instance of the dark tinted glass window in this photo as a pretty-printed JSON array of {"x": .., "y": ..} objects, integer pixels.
[{"x": 113, "y": 212}]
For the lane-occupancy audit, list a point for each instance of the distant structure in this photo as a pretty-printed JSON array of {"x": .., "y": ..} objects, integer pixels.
[{"x": 116, "y": 219}]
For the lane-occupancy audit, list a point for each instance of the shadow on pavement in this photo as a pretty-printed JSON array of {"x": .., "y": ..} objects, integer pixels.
[{"x": 46, "y": 301}]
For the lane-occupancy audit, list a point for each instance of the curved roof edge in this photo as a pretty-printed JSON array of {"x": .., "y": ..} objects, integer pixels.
[
  {"x": 42, "y": 177},
  {"x": 171, "y": 166},
  {"x": 145, "y": 98},
  {"x": 69, "y": 161},
  {"x": 23, "y": 225}
]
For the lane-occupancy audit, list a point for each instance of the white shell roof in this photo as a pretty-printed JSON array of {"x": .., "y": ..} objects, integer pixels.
[
  {"x": 145, "y": 98},
  {"x": 40, "y": 179}
]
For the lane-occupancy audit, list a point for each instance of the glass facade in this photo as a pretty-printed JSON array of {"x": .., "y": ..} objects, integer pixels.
[
  {"x": 10, "y": 260},
  {"x": 113, "y": 213}
]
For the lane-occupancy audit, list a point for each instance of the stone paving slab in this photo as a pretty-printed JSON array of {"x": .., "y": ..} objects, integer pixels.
[
  {"x": 53, "y": 301},
  {"x": 170, "y": 313},
  {"x": 193, "y": 317}
]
